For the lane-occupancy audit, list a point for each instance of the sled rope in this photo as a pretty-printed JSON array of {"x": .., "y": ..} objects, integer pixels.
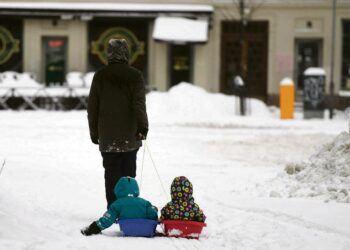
[
  {"x": 155, "y": 168},
  {"x": 143, "y": 161},
  {"x": 3, "y": 165}
]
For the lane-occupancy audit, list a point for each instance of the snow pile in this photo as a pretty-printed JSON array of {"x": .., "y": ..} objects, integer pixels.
[
  {"x": 79, "y": 80},
  {"x": 189, "y": 104},
  {"x": 88, "y": 79},
  {"x": 175, "y": 232},
  {"x": 74, "y": 79},
  {"x": 325, "y": 175}
]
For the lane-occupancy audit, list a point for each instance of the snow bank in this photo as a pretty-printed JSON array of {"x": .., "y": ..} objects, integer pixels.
[
  {"x": 88, "y": 79},
  {"x": 75, "y": 79},
  {"x": 314, "y": 71},
  {"x": 13, "y": 79},
  {"x": 326, "y": 174},
  {"x": 189, "y": 104},
  {"x": 286, "y": 82}
]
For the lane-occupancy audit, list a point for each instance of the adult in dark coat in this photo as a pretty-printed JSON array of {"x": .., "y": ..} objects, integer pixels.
[{"x": 117, "y": 115}]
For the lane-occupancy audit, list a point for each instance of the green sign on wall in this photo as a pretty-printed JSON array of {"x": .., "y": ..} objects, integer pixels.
[{"x": 8, "y": 45}]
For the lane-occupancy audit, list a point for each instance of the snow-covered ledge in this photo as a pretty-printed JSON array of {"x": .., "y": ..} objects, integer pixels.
[
  {"x": 180, "y": 30},
  {"x": 100, "y": 6}
]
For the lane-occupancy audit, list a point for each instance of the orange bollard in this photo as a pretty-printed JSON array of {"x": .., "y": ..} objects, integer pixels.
[{"x": 287, "y": 99}]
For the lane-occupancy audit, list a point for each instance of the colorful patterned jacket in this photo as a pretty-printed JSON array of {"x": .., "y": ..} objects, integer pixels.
[{"x": 182, "y": 205}]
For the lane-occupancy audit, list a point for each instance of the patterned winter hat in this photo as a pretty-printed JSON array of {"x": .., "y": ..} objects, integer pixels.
[
  {"x": 181, "y": 189},
  {"x": 118, "y": 51}
]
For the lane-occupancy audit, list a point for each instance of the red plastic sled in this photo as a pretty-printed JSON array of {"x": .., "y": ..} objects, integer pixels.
[{"x": 183, "y": 228}]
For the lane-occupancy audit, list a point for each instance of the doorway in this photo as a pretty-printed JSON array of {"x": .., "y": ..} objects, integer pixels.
[
  {"x": 180, "y": 64},
  {"x": 244, "y": 53},
  {"x": 307, "y": 54},
  {"x": 55, "y": 58},
  {"x": 345, "y": 73}
]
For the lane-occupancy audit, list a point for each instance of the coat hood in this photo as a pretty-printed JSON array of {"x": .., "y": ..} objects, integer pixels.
[
  {"x": 118, "y": 51},
  {"x": 181, "y": 189},
  {"x": 126, "y": 187}
]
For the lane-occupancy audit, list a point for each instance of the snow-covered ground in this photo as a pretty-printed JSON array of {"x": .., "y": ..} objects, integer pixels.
[{"x": 52, "y": 184}]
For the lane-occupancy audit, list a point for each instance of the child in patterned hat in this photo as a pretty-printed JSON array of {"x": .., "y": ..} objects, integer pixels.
[{"x": 182, "y": 205}]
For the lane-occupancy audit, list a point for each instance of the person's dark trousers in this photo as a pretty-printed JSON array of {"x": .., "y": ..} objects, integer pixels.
[{"x": 117, "y": 165}]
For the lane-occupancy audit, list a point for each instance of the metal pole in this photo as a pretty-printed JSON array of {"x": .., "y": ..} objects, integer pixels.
[
  {"x": 331, "y": 85},
  {"x": 241, "y": 9},
  {"x": 241, "y": 97}
]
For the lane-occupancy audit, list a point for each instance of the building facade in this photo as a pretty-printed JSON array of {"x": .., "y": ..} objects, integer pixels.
[{"x": 279, "y": 39}]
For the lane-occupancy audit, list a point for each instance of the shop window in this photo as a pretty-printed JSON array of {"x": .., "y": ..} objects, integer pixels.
[{"x": 55, "y": 57}]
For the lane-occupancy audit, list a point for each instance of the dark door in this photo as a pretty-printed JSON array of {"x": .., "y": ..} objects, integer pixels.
[
  {"x": 307, "y": 55},
  {"x": 244, "y": 53},
  {"x": 55, "y": 54},
  {"x": 345, "y": 77},
  {"x": 180, "y": 64}
]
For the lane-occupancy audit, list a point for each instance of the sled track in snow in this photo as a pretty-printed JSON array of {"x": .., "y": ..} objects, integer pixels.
[
  {"x": 290, "y": 219},
  {"x": 180, "y": 244},
  {"x": 229, "y": 126}
]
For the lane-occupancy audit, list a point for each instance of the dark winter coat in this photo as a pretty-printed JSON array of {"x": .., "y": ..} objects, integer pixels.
[
  {"x": 116, "y": 106},
  {"x": 182, "y": 205},
  {"x": 128, "y": 205}
]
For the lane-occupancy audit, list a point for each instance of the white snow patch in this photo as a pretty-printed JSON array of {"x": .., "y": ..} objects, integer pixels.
[
  {"x": 286, "y": 82},
  {"x": 75, "y": 79},
  {"x": 11, "y": 79},
  {"x": 174, "y": 232},
  {"x": 314, "y": 71},
  {"x": 88, "y": 77},
  {"x": 96, "y": 6},
  {"x": 193, "y": 235}
]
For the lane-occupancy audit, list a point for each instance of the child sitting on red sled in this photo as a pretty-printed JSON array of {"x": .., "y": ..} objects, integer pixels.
[{"x": 182, "y": 205}]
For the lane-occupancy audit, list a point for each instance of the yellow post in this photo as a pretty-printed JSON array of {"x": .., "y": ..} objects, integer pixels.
[{"x": 287, "y": 98}]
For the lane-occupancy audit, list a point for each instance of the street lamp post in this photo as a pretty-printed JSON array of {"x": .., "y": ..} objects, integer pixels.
[
  {"x": 331, "y": 85},
  {"x": 244, "y": 52}
]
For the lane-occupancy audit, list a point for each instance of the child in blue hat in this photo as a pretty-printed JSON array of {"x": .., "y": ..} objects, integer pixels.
[{"x": 127, "y": 206}]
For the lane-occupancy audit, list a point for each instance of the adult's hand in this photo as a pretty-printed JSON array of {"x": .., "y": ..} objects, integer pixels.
[{"x": 141, "y": 134}]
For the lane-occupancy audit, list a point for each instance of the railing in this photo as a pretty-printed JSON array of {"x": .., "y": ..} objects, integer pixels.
[{"x": 49, "y": 98}]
